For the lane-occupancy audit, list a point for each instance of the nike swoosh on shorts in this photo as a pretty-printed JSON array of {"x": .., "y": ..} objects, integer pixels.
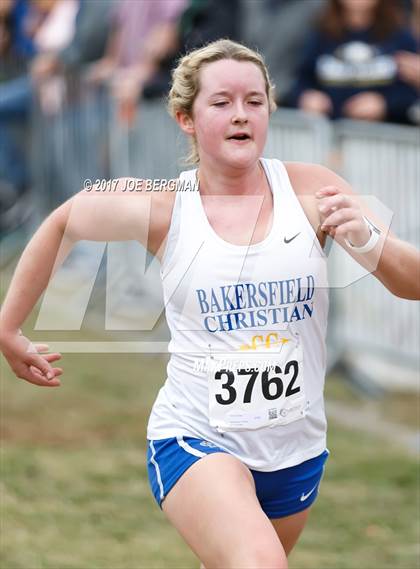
[{"x": 306, "y": 496}]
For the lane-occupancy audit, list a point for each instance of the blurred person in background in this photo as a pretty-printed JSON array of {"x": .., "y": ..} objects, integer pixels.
[
  {"x": 12, "y": 173},
  {"x": 23, "y": 26},
  {"x": 202, "y": 22},
  {"x": 64, "y": 105},
  {"x": 147, "y": 40},
  {"x": 278, "y": 29},
  {"x": 143, "y": 34},
  {"x": 87, "y": 45},
  {"x": 16, "y": 45},
  {"x": 55, "y": 33},
  {"x": 41, "y": 39},
  {"x": 413, "y": 17},
  {"x": 349, "y": 69},
  {"x": 41, "y": 26},
  {"x": 205, "y": 21},
  {"x": 409, "y": 63}
]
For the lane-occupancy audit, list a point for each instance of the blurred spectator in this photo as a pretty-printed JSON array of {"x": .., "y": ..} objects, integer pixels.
[
  {"x": 143, "y": 34},
  {"x": 409, "y": 67},
  {"x": 16, "y": 48},
  {"x": 59, "y": 35},
  {"x": 48, "y": 26},
  {"x": 349, "y": 69},
  {"x": 278, "y": 29},
  {"x": 55, "y": 33},
  {"x": 7, "y": 150},
  {"x": 87, "y": 44},
  {"x": 46, "y": 30},
  {"x": 202, "y": 22},
  {"x": 205, "y": 21},
  {"x": 409, "y": 63},
  {"x": 414, "y": 20}
]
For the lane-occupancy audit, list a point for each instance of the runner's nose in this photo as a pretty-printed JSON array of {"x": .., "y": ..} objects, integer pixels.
[{"x": 239, "y": 114}]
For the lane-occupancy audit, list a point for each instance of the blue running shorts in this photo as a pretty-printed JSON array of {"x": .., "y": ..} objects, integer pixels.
[{"x": 280, "y": 493}]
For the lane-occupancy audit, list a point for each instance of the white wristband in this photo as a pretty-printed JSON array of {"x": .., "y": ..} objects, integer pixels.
[{"x": 371, "y": 243}]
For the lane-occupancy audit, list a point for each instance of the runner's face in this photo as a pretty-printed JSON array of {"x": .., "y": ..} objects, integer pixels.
[{"x": 232, "y": 100}]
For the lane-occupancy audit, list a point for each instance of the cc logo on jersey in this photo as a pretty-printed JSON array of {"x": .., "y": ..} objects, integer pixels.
[{"x": 260, "y": 341}]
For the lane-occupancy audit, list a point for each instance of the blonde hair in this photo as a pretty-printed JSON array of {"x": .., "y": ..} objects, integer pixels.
[{"x": 185, "y": 79}]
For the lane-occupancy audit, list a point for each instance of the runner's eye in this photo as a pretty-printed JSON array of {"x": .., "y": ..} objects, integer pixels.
[
  {"x": 256, "y": 102},
  {"x": 219, "y": 104}
]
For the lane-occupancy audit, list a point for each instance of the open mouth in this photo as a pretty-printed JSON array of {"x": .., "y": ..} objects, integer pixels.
[{"x": 240, "y": 137}]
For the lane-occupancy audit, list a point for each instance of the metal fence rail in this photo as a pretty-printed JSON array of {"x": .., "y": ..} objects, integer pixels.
[
  {"x": 374, "y": 326},
  {"x": 297, "y": 136},
  {"x": 152, "y": 148}
]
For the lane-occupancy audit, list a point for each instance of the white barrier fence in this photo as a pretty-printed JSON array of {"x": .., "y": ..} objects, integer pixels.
[
  {"x": 378, "y": 331},
  {"x": 298, "y": 137}
]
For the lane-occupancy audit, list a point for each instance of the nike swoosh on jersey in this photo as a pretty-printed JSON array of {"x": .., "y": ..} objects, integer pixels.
[
  {"x": 306, "y": 496},
  {"x": 291, "y": 239}
]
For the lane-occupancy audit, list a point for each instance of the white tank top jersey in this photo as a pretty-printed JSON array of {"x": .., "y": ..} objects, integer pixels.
[{"x": 248, "y": 326}]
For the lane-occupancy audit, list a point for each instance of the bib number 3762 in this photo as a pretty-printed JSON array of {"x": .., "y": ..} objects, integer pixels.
[
  {"x": 263, "y": 391},
  {"x": 272, "y": 387}
]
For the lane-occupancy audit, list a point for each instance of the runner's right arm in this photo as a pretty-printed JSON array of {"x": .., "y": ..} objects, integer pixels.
[{"x": 95, "y": 216}]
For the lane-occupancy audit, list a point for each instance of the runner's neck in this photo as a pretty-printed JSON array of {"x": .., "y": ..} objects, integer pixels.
[{"x": 218, "y": 183}]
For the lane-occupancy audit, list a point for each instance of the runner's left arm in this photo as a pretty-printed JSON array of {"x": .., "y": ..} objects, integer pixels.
[{"x": 342, "y": 214}]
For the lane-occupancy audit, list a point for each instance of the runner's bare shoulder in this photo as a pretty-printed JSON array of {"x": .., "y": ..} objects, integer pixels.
[
  {"x": 307, "y": 178},
  {"x": 122, "y": 209}
]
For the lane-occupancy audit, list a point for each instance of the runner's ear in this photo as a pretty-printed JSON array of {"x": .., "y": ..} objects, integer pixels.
[{"x": 185, "y": 122}]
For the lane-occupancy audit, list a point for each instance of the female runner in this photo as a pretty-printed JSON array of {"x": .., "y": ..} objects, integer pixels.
[{"x": 237, "y": 436}]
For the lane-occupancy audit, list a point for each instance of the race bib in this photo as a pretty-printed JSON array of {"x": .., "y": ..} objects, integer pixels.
[{"x": 253, "y": 391}]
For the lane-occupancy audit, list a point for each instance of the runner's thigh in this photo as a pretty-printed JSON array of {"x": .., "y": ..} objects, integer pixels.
[{"x": 215, "y": 509}]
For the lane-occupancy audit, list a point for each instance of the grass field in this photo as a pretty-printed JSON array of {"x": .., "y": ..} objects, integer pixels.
[{"x": 75, "y": 495}]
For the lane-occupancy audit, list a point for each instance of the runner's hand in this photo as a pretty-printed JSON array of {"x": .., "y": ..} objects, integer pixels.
[
  {"x": 28, "y": 361},
  {"x": 342, "y": 216}
]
